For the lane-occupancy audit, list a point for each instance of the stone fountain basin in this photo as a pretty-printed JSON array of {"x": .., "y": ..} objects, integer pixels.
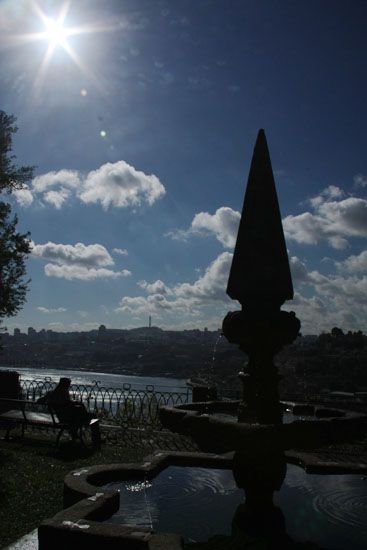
[
  {"x": 87, "y": 505},
  {"x": 219, "y": 435}
]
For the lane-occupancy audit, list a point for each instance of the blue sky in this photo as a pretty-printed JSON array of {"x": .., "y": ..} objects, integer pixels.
[{"x": 141, "y": 117}]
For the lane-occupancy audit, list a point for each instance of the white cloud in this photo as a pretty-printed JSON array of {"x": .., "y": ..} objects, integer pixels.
[
  {"x": 23, "y": 197},
  {"x": 332, "y": 220},
  {"x": 120, "y": 251},
  {"x": 212, "y": 285},
  {"x": 156, "y": 304},
  {"x": 341, "y": 290},
  {"x": 83, "y": 273},
  {"x": 223, "y": 224},
  {"x": 312, "y": 312},
  {"x": 354, "y": 264},
  {"x": 88, "y": 255},
  {"x": 298, "y": 270},
  {"x": 79, "y": 261},
  {"x": 119, "y": 184},
  {"x": 73, "y": 327},
  {"x": 331, "y": 192},
  {"x": 334, "y": 300},
  {"x": 184, "y": 298},
  {"x": 63, "y": 178},
  {"x": 57, "y": 198},
  {"x": 321, "y": 301},
  {"x": 304, "y": 228},
  {"x": 51, "y": 310},
  {"x": 113, "y": 184},
  {"x": 54, "y": 188},
  {"x": 158, "y": 287}
]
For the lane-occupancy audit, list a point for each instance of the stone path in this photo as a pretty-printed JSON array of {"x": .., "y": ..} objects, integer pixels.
[{"x": 27, "y": 542}]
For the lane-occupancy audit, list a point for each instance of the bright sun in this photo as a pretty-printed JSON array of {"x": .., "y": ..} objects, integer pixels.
[{"x": 55, "y": 32}]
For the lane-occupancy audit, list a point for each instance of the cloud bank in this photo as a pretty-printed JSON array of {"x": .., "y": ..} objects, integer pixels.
[
  {"x": 190, "y": 299},
  {"x": 48, "y": 310},
  {"x": 223, "y": 224},
  {"x": 321, "y": 300},
  {"x": 332, "y": 299},
  {"x": 116, "y": 184},
  {"x": 330, "y": 220},
  {"x": 333, "y": 218},
  {"x": 79, "y": 261}
]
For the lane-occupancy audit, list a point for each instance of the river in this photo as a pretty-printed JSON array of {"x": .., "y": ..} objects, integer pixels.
[{"x": 105, "y": 379}]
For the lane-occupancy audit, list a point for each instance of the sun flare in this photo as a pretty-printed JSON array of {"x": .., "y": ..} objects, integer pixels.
[{"x": 55, "y": 32}]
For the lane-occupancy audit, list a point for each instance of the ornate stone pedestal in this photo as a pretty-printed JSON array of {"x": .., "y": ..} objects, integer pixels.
[{"x": 261, "y": 339}]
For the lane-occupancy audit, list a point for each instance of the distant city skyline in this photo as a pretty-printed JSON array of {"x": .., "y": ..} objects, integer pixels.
[
  {"x": 141, "y": 116},
  {"x": 30, "y": 331}
]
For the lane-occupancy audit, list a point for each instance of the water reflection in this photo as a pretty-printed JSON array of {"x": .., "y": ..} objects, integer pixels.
[{"x": 284, "y": 507}]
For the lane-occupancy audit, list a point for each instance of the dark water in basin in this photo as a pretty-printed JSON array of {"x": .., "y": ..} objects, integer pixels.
[{"x": 329, "y": 510}]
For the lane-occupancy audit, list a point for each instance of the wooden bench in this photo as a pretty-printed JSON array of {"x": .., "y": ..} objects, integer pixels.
[{"x": 25, "y": 413}]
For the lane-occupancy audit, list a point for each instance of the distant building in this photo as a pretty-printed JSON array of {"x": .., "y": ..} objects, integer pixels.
[
  {"x": 102, "y": 333},
  {"x": 31, "y": 332},
  {"x": 17, "y": 332}
]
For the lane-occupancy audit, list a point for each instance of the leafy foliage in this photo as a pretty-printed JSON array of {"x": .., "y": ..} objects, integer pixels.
[
  {"x": 11, "y": 176},
  {"x": 14, "y": 246}
]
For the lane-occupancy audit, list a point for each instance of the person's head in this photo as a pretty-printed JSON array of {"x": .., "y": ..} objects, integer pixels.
[{"x": 64, "y": 383}]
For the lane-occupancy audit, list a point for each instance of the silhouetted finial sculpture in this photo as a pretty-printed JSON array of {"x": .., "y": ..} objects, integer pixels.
[
  {"x": 260, "y": 270},
  {"x": 260, "y": 280}
]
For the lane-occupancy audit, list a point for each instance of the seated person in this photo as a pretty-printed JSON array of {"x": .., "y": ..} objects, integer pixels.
[{"x": 71, "y": 412}]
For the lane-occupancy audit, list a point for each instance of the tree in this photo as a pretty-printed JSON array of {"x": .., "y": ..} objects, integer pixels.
[
  {"x": 14, "y": 246},
  {"x": 337, "y": 332},
  {"x": 11, "y": 176}
]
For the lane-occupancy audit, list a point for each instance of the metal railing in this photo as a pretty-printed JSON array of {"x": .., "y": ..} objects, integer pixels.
[{"x": 122, "y": 406}]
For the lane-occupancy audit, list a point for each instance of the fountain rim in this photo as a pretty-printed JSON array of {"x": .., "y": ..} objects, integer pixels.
[
  {"x": 87, "y": 505},
  {"x": 299, "y": 438},
  {"x": 326, "y": 413}
]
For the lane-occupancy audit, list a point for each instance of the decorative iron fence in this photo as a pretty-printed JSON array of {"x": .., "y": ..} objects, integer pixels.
[{"x": 123, "y": 406}]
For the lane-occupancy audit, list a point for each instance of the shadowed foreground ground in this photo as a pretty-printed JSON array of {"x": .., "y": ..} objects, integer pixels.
[
  {"x": 32, "y": 474},
  {"x": 33, "y": 470}
]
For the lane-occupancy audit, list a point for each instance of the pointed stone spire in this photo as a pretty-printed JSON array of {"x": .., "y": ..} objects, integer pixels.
[{"x": 260, "y": 276}]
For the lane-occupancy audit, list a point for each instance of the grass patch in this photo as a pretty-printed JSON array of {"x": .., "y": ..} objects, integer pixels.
[{"x": 32, "y": 475}]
